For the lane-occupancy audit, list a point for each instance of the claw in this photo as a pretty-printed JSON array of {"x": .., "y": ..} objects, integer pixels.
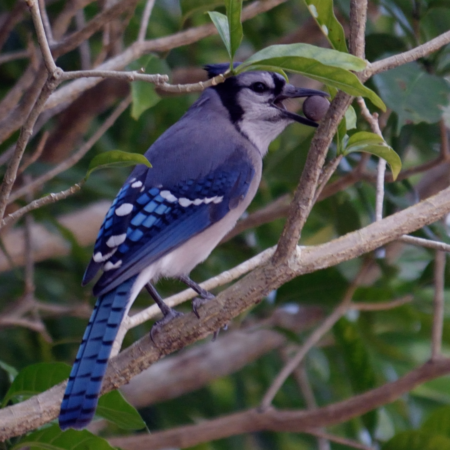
[
  {"x": 159, "y": 324},
  {"x": 197, "y": 302}
]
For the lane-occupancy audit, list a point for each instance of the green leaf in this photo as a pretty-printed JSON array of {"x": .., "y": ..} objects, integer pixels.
[
  {"x": 10, "y": 370},
  {"x": 271, "y": 69},
  {"x": 37, "y": 378},
  {"x": 52, "y": 438},
  {"x": 221, "y": 23},
  {"x": 144, "y": 97},
  {"x": 417, "y": 440},
  {"x": 189, "y": 7},
  {"x": 357, "y": 364},
  {"x": 323, "y": 13},
  {"x": 143, "y": 94},
  {"x": 414, "y": 95},
  {"x": 325, "y": 65},
  {"x": 350, "y": 118},
  {"x": 234, "y": 9},
  {"x": 116, "y": 158},
  {"x": 326, "y": 56},
  {"x": 437, "y": 422},
  {"x": 113, "y": 407},
  {"x": 367, "y": 142}
]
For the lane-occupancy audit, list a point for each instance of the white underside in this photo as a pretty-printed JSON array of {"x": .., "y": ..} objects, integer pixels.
[{"x": 183, "y": 259}]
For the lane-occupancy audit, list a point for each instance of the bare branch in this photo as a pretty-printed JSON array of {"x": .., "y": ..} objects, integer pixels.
[
  {"x": 385, "y": 306},
  {"x": 164, "y": 44},
  {"x": 406, "y": 57},
  {"x": 358, "y": 17},
  {"x": 41, "y": 36},
  {"x": 338, "y": 439},
  {"x": 435, "y": 245},
  {"x": 233, "y": 301},
  {"x": 73, "y": 159},
  {"x": 85, "y": 51},
  {"x": 50, "y": 198},
  {"x": 312, "y": 340},
  {"x": 25, "y": 134},
  {"x": 254, "y": 420},
  {"x": 438, "y": 317},
  {"x": 145, "y": 19}
]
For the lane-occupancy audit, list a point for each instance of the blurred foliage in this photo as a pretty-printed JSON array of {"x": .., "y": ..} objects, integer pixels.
[{"x": 365, "y": 349}]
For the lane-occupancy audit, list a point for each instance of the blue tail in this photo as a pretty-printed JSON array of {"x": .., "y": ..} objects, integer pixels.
[{"x": 82, "y": 392}]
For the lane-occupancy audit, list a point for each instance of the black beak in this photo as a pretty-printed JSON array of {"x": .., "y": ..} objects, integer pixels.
[{"x": 290, "y": 91}]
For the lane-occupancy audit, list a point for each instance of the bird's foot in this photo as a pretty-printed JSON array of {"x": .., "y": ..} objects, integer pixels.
[
  {"x": 159, "y": 324},
  {"x": 199, "y": 301}
]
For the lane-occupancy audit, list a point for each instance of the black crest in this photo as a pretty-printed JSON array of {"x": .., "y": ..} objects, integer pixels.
[{"x": 216, "y": 69}]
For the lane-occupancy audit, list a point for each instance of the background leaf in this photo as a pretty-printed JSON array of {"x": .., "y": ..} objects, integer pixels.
[
  {"x": 357, "y": 364},
  {"x": 221, "y": 23},
  {"x": 367, "y": 142},
  {"x": 323, "y": 13},
  {"x": 36, "y": 378},
  {"x": 52, "y": 438},
  {"x": 414, "y": 95},
  {"x": 417, "y": 440},
  {"x": 116, "y": 158},
  {"x": 113, "y": 407},
  {"x": 234, "y": 8}
]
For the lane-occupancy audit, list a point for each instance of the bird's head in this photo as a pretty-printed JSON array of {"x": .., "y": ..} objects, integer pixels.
[{"x": 254, "y": 101}]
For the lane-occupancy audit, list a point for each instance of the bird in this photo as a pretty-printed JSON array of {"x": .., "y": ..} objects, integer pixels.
[{"x": 165, "y": 220}]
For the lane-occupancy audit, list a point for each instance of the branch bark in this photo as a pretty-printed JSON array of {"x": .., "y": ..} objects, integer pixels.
[{"x": 183, "y": 331}]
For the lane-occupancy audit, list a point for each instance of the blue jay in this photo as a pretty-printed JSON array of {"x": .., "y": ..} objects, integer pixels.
[{"x": 167, "y": 219}]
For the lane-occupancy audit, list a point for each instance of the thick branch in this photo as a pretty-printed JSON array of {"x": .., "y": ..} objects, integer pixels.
[
  {"x": 233, "y": 301},
  {"x": 252, "y": 420}
]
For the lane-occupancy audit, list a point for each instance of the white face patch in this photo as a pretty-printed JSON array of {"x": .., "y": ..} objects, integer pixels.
[
  {"x": 115, "y": 241},
  {"x": 137, "y": 184},
  {"x": 167, "y": 195},
  {"x": 110, "y": 266},
  {"x": 261, "y": 122},
  {"x": 124, "y": 209}
]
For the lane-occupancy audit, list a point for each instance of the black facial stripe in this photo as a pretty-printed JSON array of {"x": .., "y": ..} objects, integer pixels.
[
  {"x": 279, "y": 84},
  {"x": 228, "y": 91}
]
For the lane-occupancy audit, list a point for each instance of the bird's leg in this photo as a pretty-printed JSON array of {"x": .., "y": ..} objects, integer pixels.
[
  {"x": 168, "y": 312},
  {"x": 205, "y": 296}
]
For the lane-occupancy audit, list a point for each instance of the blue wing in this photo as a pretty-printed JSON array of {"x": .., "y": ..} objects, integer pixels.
[{"x": 147, "y": 221}]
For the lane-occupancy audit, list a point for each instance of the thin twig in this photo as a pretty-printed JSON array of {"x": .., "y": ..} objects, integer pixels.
[
  {"x": 46, "y": 22},
  {"x": 327, "y": 172},
  {"x": 25, "y": 134},
  {"x": 75, "y": 157},
  {"x": 301, "y": 377},
  {"x": 445, "y": 150},
  {"x": 39, "y": 203},
  {"x": 145, "y": 19},
  {"x": 438, "y": 315},
  {"x": 372, "y": 119},
  {"x": 385, "y": 306},
  {"x": 85, "y": 51},
  {"x": 12, "y": 56},
  {"x": 428, "y": 243},
  {"x": 36, "y": 154},
  {"x": 338, "y": 439},
  {"x": 41, "y": 36},
  {"x": 406, "y": 57},
  {"x": 312, "y": 340}
]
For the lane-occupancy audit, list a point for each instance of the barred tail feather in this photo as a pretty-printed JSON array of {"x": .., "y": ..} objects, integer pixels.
[{"x": 85, "y": 381}]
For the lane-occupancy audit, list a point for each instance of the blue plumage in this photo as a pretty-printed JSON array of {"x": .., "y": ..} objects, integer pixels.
[
  {"x": 166, "y": 220},
  {"x": 81, "y": 396}
]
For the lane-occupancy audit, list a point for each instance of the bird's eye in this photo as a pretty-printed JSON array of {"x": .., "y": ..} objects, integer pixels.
[{"x": 258, "y": 87}]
